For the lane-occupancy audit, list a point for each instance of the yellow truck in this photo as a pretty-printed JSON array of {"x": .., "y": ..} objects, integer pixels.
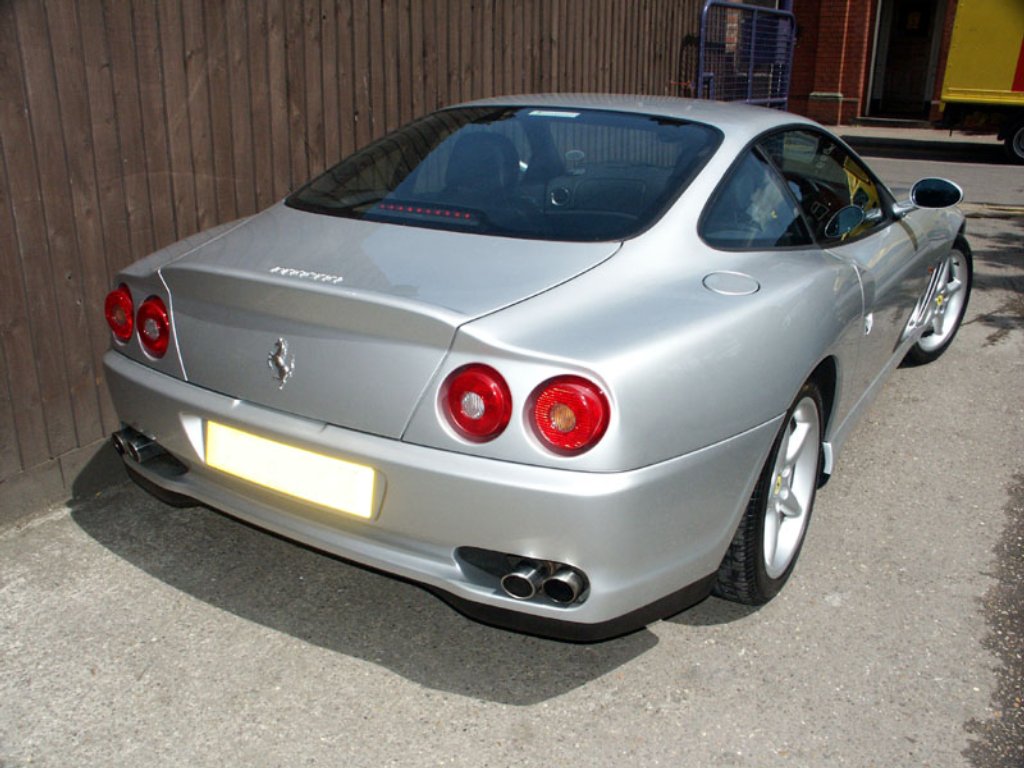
[{"x": 983, "y": 87}]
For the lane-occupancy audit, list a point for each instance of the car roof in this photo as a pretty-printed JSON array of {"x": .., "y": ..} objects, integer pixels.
[{"x": 736, "y": 120}]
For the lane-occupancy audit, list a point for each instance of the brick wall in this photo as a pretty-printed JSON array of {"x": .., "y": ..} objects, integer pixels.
[{"x": 832, "y": 59}]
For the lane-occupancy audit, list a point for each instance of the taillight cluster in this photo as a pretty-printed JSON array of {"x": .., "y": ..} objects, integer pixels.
[
  {"x": 568, "y": 414},
  {"x": 151, "y": 322}
]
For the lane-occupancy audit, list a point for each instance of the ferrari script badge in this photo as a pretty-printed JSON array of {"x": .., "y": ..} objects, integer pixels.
[{"x": 281, "y": 363}]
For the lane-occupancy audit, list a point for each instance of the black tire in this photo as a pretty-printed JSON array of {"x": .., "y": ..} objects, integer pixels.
[
  {"x": 929, "y": 347},
  {"x": 1014, "y": 143},
  {"x": 745, "y": 575}
]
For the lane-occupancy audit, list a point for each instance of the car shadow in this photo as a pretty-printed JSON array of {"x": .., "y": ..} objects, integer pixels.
[
  {"x": 998, "y": 262},
  {"x": 917, "y": 149},
  {"x": 338, "y": 606},
  {"x": 712, "y": 612}
]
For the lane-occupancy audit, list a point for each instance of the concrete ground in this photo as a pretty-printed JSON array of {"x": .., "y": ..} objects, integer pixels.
[{"x": 132, "y": 634}]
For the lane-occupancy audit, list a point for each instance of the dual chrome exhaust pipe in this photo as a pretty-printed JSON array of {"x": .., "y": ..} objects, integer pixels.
[
  {"x": 561, "y": 584},
  {"x": 135, "y": 445}
]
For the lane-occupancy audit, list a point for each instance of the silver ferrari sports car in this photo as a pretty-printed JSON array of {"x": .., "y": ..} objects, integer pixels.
[{"x": 572, "y": 362}]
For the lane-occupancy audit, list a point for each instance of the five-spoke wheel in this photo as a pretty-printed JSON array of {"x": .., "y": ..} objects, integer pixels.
[
  {"x": 949, "y": 304},
  {"x": 768, "y": 540}
]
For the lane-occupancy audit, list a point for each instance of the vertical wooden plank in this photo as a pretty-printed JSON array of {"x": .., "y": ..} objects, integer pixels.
[
  {"x": 469, "y": 48},
  {"x": 643, "y": 48},
  {"x": 518, "y": 47},
  {"x": 259, "y": 87},
  {"x": 108, "y": 161},
  {"x": 499, "y": 42},
  {"x": 584, "y": 81},
  {"x": 465, "y": 70},
  {"x": 20, "y": 226},
  {"x": 590, "y": 55},
  {"x": 453, "y": 72},
  {"x": 536, "y": 65},
  {"x": 376, "y": 75},
  {"x": 19, "y": 378},
  {"x": 507, "y": 79},
  {"x": 431, "y": 97},
  {"x": 606, "y": 45},
  {"x": 220, "y": 111},
  {"x": 478, "y": 45},
  {"x": 329, "y": 68},
  {"x": 175, "y": 96},
  {"x": 10, "y": 461},
  {"x": 656, "y": 45},
  {"x": 346, "y": 93},
  {"x": 361, "y": 70},
  {"x": 277, "y": 65},
  {"x": 442, "y": 25},
  {"x": 197, "y": 79},
  {"x": 154, "y": 121},
  {"x": 241, "y": 108},
  {"x": 491, "y": 47},
  {"x": 91, "y": 334},
  {"x": 417, "y": 85},
  {"x": 410, "y": 71},
  {"x": 38, "y": 384},
  {"x": 21, "y": 420},
  {"x": 626, "y": 50},
  {"x": 314, "y": 104},
  {"x": 554, "y": 44},
  {"x": 392, "y": 48},
  {"x": 117, "y": 22},
  {"x": 76, "y": 380},
  {"x": 619, "y": 52},
  {"x": 565, "y": 58},
  {"x": 296, "y": 90},
  {"x": 568, "y": 48},
  {"x": 528, "y": 46}
]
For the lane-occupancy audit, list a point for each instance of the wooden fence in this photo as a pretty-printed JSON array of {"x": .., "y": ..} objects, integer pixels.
[{"x": 128, "y": 124}]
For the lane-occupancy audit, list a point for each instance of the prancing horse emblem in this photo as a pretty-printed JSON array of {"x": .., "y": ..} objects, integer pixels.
[{"x": 281, "y": 363}]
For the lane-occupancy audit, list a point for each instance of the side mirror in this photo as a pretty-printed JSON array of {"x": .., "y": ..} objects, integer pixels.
[
  {"x": 935, "y": 193},
  {"x": 844, "y": 221}
]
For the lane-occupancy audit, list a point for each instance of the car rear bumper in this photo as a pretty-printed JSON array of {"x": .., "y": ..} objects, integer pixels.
[{"x": 649, "y": 540}]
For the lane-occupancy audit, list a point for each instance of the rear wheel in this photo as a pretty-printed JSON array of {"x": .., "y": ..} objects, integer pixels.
[
  {"x": 950, "y": 305},
  {"x": 768, "y": 540},
  {"x": 1015, "y": 142}
]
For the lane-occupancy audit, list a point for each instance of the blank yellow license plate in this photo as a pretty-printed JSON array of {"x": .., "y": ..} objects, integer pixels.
[{"x": 333, "y": 483}]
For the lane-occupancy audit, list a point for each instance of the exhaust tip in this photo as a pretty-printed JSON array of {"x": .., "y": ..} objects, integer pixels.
[
  {"x": 564, "y": 587},
  {"x": 524, "y": 582},
  {"x": 135, "y": 445}
]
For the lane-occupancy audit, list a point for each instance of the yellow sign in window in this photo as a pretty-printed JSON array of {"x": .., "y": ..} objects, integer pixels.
[{"x": 333, "y": 483}]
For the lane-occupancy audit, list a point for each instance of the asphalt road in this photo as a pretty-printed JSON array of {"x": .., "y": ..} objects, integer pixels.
[{"x": 132, "y": 634}]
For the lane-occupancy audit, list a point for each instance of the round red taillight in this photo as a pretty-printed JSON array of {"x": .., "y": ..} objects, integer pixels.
[
  {"x": 570, "y": 414},
  {"x": 154, "y": 326},
  {"x": 120, "y": 312},
  {"x": 477, "y": 402}
]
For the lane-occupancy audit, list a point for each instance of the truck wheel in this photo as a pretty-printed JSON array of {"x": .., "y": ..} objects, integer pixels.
[{"x": 1015, "y": 143}]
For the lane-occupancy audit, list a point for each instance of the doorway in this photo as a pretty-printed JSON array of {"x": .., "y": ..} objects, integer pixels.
[{"x": 908, "y": 39}]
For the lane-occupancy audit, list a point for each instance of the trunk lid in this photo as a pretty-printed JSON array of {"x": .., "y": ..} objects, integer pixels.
[{"x": 346, "y": 321}]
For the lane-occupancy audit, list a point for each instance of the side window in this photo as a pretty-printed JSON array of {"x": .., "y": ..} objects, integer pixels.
[
  {"x": 752, "y": 210},
  {"x": 825, "y": 178}
]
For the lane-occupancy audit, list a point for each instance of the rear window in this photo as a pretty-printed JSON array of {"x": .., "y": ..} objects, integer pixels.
[{"x": 554, "y": 174}]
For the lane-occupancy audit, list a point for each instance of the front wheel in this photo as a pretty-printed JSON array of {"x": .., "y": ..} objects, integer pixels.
[
  {"x": 766, "y": 545},
  {"x": 956, "y": 274}
]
